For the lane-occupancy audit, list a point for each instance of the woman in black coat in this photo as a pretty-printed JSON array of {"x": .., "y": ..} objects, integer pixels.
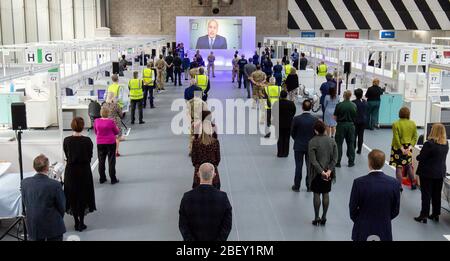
[
  {"x": 292, "y": 84},
  {"x": 78, "y": 181},
  {"x": 432, "y": 170}
]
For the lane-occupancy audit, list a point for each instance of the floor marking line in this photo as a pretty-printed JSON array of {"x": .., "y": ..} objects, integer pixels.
[
  {"x": 265, "y": 189},
  {"x": 227, "y": 171},
  {"x": 94, "y": 166},
  {"x": 385, "y": 162}
]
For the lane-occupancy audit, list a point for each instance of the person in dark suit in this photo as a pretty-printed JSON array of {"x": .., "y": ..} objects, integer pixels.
[
  {"x": 374, "y": 202},
  {"x": 361, "y": 119},
  {"x": 373, "y": 96},
  {"x": 302, "y": 132},
  {"x": 285, "y": 113},
  {"x": 303, "y": 62},
  {"x": 45, "y": 204},
  {"x": 205, "y": 212},
  {"x": 432, "y": 170},
  {"x": 212, "y": 40}
]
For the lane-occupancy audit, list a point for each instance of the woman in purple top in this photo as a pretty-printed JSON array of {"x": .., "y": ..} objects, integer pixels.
[{"x": 106, "y": 131}]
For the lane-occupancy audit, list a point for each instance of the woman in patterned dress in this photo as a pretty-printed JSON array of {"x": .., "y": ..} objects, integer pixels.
[{"x": 404, "y": 139}]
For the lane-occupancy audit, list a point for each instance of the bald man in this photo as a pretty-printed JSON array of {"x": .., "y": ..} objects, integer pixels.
[
  {"x": 212, "y": 40},
  {"x": 205, "y": 212}
]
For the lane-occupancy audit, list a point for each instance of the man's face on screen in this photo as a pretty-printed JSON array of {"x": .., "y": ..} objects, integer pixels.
[{"x": 213, "y": 28}]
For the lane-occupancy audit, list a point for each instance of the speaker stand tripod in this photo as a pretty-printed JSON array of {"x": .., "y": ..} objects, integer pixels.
[{"x": 19, "y": 220}]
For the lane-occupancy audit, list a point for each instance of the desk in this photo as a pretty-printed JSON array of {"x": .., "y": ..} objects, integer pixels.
[{"x": 72, "y": 111}]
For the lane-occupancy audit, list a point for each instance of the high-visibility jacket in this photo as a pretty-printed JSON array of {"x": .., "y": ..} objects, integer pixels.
[
  {"x": 115, "y": 88},
  {"x": 136, "y": 92},
  {"x": 323, "y": 70},
  {"x": 202, "y": 81},
  {"x": 147, "y": 77},
  {"x": 273, "y": 95},
  {"x": 287, "y": 69}
]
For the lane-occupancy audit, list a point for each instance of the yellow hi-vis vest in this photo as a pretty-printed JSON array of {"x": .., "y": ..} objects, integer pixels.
[
  {"x": 136, "y": 92},
  {"x": 323, "y": 70},
  {"x": 114, "y": 88},
  {"x": 273, "y": 93},
  {"x": 287, "y": 69},
  {"x": 147, "y": 77},
  {"x": 202, "y": 81}
]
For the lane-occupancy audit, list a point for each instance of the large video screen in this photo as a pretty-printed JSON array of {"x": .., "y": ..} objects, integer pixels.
[
  {"x": 215, "y": 34},
  {"x": 222, "y": 35}
]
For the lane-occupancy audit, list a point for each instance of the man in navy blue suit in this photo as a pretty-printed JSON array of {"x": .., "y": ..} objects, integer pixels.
[
  {"x": 212, "y": 40},
  {"x": 374, "y": 202},
  {"x": 302, "y": 131}
]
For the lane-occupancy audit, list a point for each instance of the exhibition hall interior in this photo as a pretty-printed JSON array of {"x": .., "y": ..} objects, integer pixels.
[{"x": 222, "y": 120}]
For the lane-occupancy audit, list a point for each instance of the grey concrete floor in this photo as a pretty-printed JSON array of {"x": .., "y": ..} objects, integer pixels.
[{"x": 155, "y": 171}]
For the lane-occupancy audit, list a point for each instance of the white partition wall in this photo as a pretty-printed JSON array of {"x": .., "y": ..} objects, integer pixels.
[
  {"x": 90, "y": 18},
  {"x": 7, "y": 21},
  {"x": 25, "y": 21},
  {"x": 43, "y": 20},
  {"x": 55, "y": 20},
  {"x": 30, "y": 21},
  {"x": 18, "y": 12},
  {"x": 67, "y": 13},
  {"x": 78, "y": 18}
]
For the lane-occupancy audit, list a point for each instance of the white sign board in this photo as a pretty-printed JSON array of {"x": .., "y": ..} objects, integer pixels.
[
  {"x": 413, "y": 57},
  {"x": 40, "y": 56}
]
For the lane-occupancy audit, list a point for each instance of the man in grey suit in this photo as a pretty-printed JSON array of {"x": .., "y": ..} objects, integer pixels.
[
  {"x": 212, "y": 40},
  {"x": 45, "y": 204}
]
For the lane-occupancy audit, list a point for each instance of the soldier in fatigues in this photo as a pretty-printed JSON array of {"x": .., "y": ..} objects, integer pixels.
[
  {"x": 195, "y": 108},
  {"x": 161, "y": 66},
  {"x": 259, "y": 80}
]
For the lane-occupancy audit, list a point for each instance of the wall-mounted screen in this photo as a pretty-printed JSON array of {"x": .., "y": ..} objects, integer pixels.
[
  {"x": 221, "y": 35},
  {"x": 215, "y": 34}
]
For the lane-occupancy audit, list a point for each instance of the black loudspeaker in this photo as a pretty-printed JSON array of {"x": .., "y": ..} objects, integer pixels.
[
  {"x": 153, "y": 52},
  {"x": 115, "y": 66},
  {"x": 19, "y": 116},
  {"x": 347, "y": 67},
  {"x": 174, "y": 45},
  {"x": 107, "y": 74},
  {"x": 168, "y": 45},
  {"x": 286, "y": 51},
  {"x": 259, "y": 45}
]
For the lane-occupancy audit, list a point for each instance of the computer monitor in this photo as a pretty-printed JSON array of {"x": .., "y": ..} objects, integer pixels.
[
  {"x": 69, "y": 92},
  {"x": 435, "y": 99},
  {"x": 446, "y": 125},
  {"x": 101, "y": 95},
  {"x": 22, "y": 90},
  {"x": 445, "y": 99}
]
